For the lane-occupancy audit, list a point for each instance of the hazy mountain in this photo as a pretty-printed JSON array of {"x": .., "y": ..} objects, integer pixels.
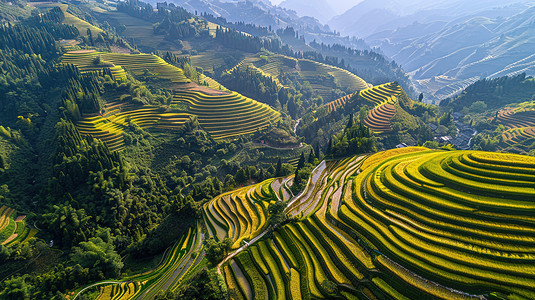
[
  {"x": 338, "y": 6},
  {"x": 446, "y": 45},
  {"x": 355, "y": 21},
  {"x": 319, "y": 9},
  {"x": 488, "y": 44},
  {"x": 263, "y": 13},
  {"x": 372, "y": 16},
  {"x": 323, "y": 10}
]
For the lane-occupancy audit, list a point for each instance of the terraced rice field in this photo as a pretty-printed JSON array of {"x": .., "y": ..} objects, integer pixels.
[
  {"x": 137, "y": 30},
  {"x": 441, "y": 87},
  {"x": 184, "y": 256},
  {"x": 513, "y": 118},
  {"x": 13, "y": 229},
  {"x": 243, "y": 214},
  {"x": 208, "y": 60},
  {"x": 71, "y": 19},
  {"x": 343, "y": 78},
  {"x": 383, "y": 99},
  {"x": 521, "y": 139},
  {"x": 135, "y": 63},
  {"x": 407, "y": 223},
  {"x": 227, "y": 115},
  {"x": 271, "y": 68},
  {"x": 223, "y": 115},
  {"x": 520, "y": 128},
  {"x": 110, "y": 127},
  {"x": 334, "y": 105},
  {"x": 308, "y": 70}
]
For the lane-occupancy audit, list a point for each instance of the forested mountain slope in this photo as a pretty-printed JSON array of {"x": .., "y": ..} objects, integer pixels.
[{"x": 147, "y": 152}]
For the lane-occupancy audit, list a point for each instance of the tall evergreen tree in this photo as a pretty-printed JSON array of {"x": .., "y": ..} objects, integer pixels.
[
  {"x": 301, "y": 162},
  {"x": 278, "y": 168},
  {"x": 351, "y": 122},
  {"x": 90, "y": 37},
  {"x": 311, "y": 156}
]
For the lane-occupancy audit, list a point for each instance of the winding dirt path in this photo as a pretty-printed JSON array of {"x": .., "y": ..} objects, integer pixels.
[{"x": 97, "y": 284}]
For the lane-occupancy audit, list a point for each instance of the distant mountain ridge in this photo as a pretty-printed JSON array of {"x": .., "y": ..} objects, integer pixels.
[
  {"x": 320, "y": 9},
  {"x": 262, "y": 13},
  {"x": 447, "y": 45},
  {"x": 369, "y": 16}
]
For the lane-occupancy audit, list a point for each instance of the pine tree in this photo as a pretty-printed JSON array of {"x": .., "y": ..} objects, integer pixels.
[
  {"x": 278, "y": 169},
  {"x": 317, "y": 151},
  {"x": 90, "y": 37},
  {"x": 301, "y": 162},
  {"x": 330, "y": 146},
  {"x": 311, "y": 156},
  {"x": 351, "y": 122}
]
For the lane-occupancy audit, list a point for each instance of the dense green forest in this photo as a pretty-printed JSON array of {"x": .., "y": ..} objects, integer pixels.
[
  {"x": 93, "y": 204},
  {"x": 112, "y": 158},
  {"x": 495, "y": 92}
]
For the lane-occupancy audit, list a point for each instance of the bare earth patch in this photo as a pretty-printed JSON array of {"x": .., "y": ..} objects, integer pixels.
[
  {"x": 9, "y": 239},
  {"x": 193, "y": 87},
  {"x": 81, "y": 51}
]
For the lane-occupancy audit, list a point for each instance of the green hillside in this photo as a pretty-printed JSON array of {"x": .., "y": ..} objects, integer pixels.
[
  {"x": 163, "y": 152},
  {"x": 385, "y": 109},
  {"x": 402, "y": 224},
  {"x": 220, "y": 113},
  {"x": 322, "y": 78}
]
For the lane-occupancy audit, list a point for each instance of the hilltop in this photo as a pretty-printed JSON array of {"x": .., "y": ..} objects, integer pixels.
[{"x": 385, "y": 109}]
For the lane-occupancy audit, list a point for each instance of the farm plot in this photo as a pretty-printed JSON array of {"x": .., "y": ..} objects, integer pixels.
[
  {"x": 240, "y": 215},
  {"x": 13, "y": 228},
  {"x": 406, "y": 223},
  {"x": 227, "y": 115},
  {"x": 137, "y": 30},
  {"x": 185, "y": 255},
  {"x": 135, "y": 63},
  {"x": 334, "y": 105},
  {"x": 110, "y": 127},
  {"x": 519, "y": 122},
  {"x": 383, "y": 99},
  {"x": 208, "y": 60},
  {"x": 223, "y": 115}
]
